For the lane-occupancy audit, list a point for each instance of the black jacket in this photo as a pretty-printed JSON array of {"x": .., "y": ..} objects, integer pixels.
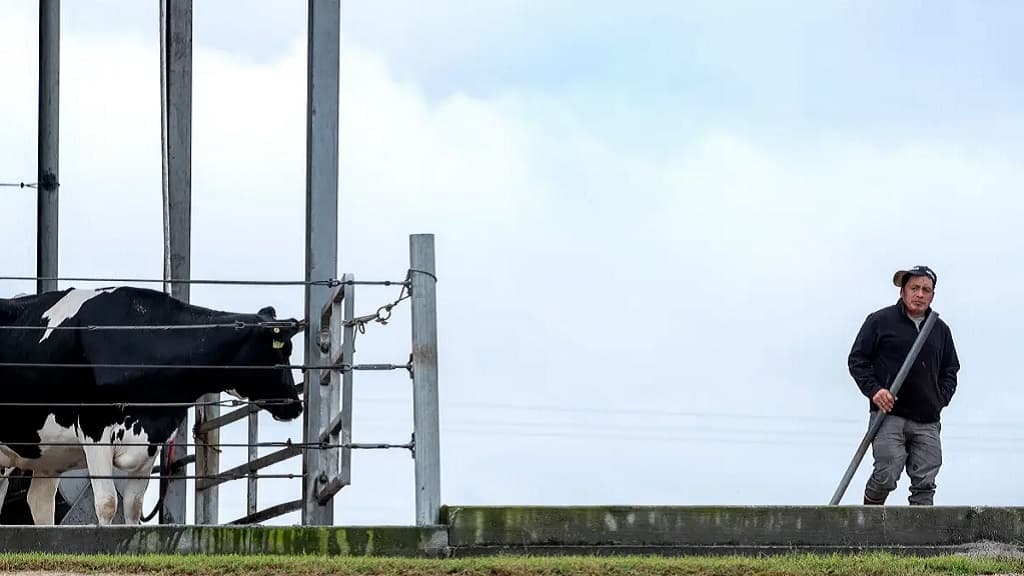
[{"x": 879, "y": 351}]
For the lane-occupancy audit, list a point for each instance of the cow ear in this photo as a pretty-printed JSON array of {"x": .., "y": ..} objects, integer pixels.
[{"x": 268, "y": 311}]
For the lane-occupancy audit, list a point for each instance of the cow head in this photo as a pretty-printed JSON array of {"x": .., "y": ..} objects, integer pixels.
[{"x": 270, "y": 346}]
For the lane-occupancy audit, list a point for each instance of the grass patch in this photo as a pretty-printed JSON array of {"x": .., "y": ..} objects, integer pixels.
[{"x": 799, "y": 565}]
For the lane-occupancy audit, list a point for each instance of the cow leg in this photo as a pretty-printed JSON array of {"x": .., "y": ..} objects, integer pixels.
[
  {"x": 135, "y": 492},
  {"x": 100, "y": 459},
  {"x": 41, "y": 499},
  {"x": 5, "y": 483}
]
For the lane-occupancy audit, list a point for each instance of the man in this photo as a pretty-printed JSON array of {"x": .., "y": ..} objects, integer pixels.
[{"x": 909, "y": 436}]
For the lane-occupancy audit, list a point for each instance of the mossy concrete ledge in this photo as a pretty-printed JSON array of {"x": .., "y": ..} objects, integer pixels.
[
  {"x": 728, "y": 529},
  {"x": 249, "y": 540}
]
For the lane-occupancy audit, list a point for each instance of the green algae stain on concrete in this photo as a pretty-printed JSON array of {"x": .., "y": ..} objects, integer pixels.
[
  {"x": 357, "y": 540},
  {"x": 324, "y": 538},
  {"x": 241, "y": 540},
  {"x": 341, "y": 539},
  {"x": 279, "y": 545}
]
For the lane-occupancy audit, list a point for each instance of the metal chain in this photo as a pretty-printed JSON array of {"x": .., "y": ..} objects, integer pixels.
[{"x": 383, "y": 314}]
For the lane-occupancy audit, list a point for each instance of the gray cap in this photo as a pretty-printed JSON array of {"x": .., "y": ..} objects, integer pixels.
[{"x": 898, "y": 277}]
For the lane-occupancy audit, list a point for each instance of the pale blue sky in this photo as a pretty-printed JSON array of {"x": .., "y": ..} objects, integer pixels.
[
  {"x": 658, "y": 73},
  {"x": 654, "y": 72},
  {"x": 659, "y": 225}
]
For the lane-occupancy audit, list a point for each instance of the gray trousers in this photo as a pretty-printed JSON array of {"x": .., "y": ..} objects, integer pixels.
[{"x": 900, "y": 444}]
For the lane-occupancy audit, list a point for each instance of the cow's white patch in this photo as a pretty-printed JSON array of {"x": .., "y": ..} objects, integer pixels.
[
  {"x": 67, "y": 307},
  {"x": 132, "y": 451},
  {"x": 5, "y": 483},
  {"x": 60, "y": 450},
  {"x": 234, "y": 393},
  {"x": 118, "y": 446}
]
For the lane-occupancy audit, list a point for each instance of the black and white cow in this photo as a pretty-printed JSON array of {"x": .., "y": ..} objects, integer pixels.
[{"x": 38, "y": 404}]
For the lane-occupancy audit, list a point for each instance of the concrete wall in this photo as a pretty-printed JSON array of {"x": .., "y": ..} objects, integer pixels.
[
  {"x": 348, "y": 541},
  {"x": 728, "y": 530},
  {"x": 572, "y": 530}
]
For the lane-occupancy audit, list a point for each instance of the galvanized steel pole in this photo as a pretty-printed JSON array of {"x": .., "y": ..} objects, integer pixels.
[
  {"x": 47, "y": 231},
  {"x": 322, "y": 103},
  {"x": 424, "y": 379},
  {"x": 348, "y": 351},
  {"x": 876, "y": 420},
  {"x": 176, "y": 141}
]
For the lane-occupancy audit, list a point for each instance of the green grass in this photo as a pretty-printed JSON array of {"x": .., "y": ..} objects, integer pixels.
[{"x": 832, "y": 565}]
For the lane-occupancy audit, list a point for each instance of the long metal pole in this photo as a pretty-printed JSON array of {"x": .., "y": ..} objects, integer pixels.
[
  {"x": 348, "y": 351},
  {"x": 876, "y": 421},
  {"x": 49, "y": 145},
  {"x": 424, "y": 379},
  {"x": 176, "y": 136},
  {"x": 322, "y": 103}
]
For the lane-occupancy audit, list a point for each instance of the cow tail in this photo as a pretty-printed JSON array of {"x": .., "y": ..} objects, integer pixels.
[{"x": 166, "y": 458}]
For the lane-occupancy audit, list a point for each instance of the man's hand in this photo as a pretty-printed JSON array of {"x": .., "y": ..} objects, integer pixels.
[{"x": 884, "y": 400}]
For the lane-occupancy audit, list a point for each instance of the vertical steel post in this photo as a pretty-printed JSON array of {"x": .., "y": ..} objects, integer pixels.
[
  {"x": 322, "y": 103},
  {"x": 252, "y": 484},
  {"x": 49, "y": 145},
  {"x": 424, "y": 377},
  {"x": 176, "y": 140}
]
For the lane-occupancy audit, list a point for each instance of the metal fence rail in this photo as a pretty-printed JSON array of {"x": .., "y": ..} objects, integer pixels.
[
  {"x": 329, "y": 282},
  {"x": 271, "y": 444},
  {"x": 297, "y": 325}
]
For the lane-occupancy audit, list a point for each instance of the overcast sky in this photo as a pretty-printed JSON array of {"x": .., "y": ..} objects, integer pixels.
[{"x": 659, "y": 227}]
